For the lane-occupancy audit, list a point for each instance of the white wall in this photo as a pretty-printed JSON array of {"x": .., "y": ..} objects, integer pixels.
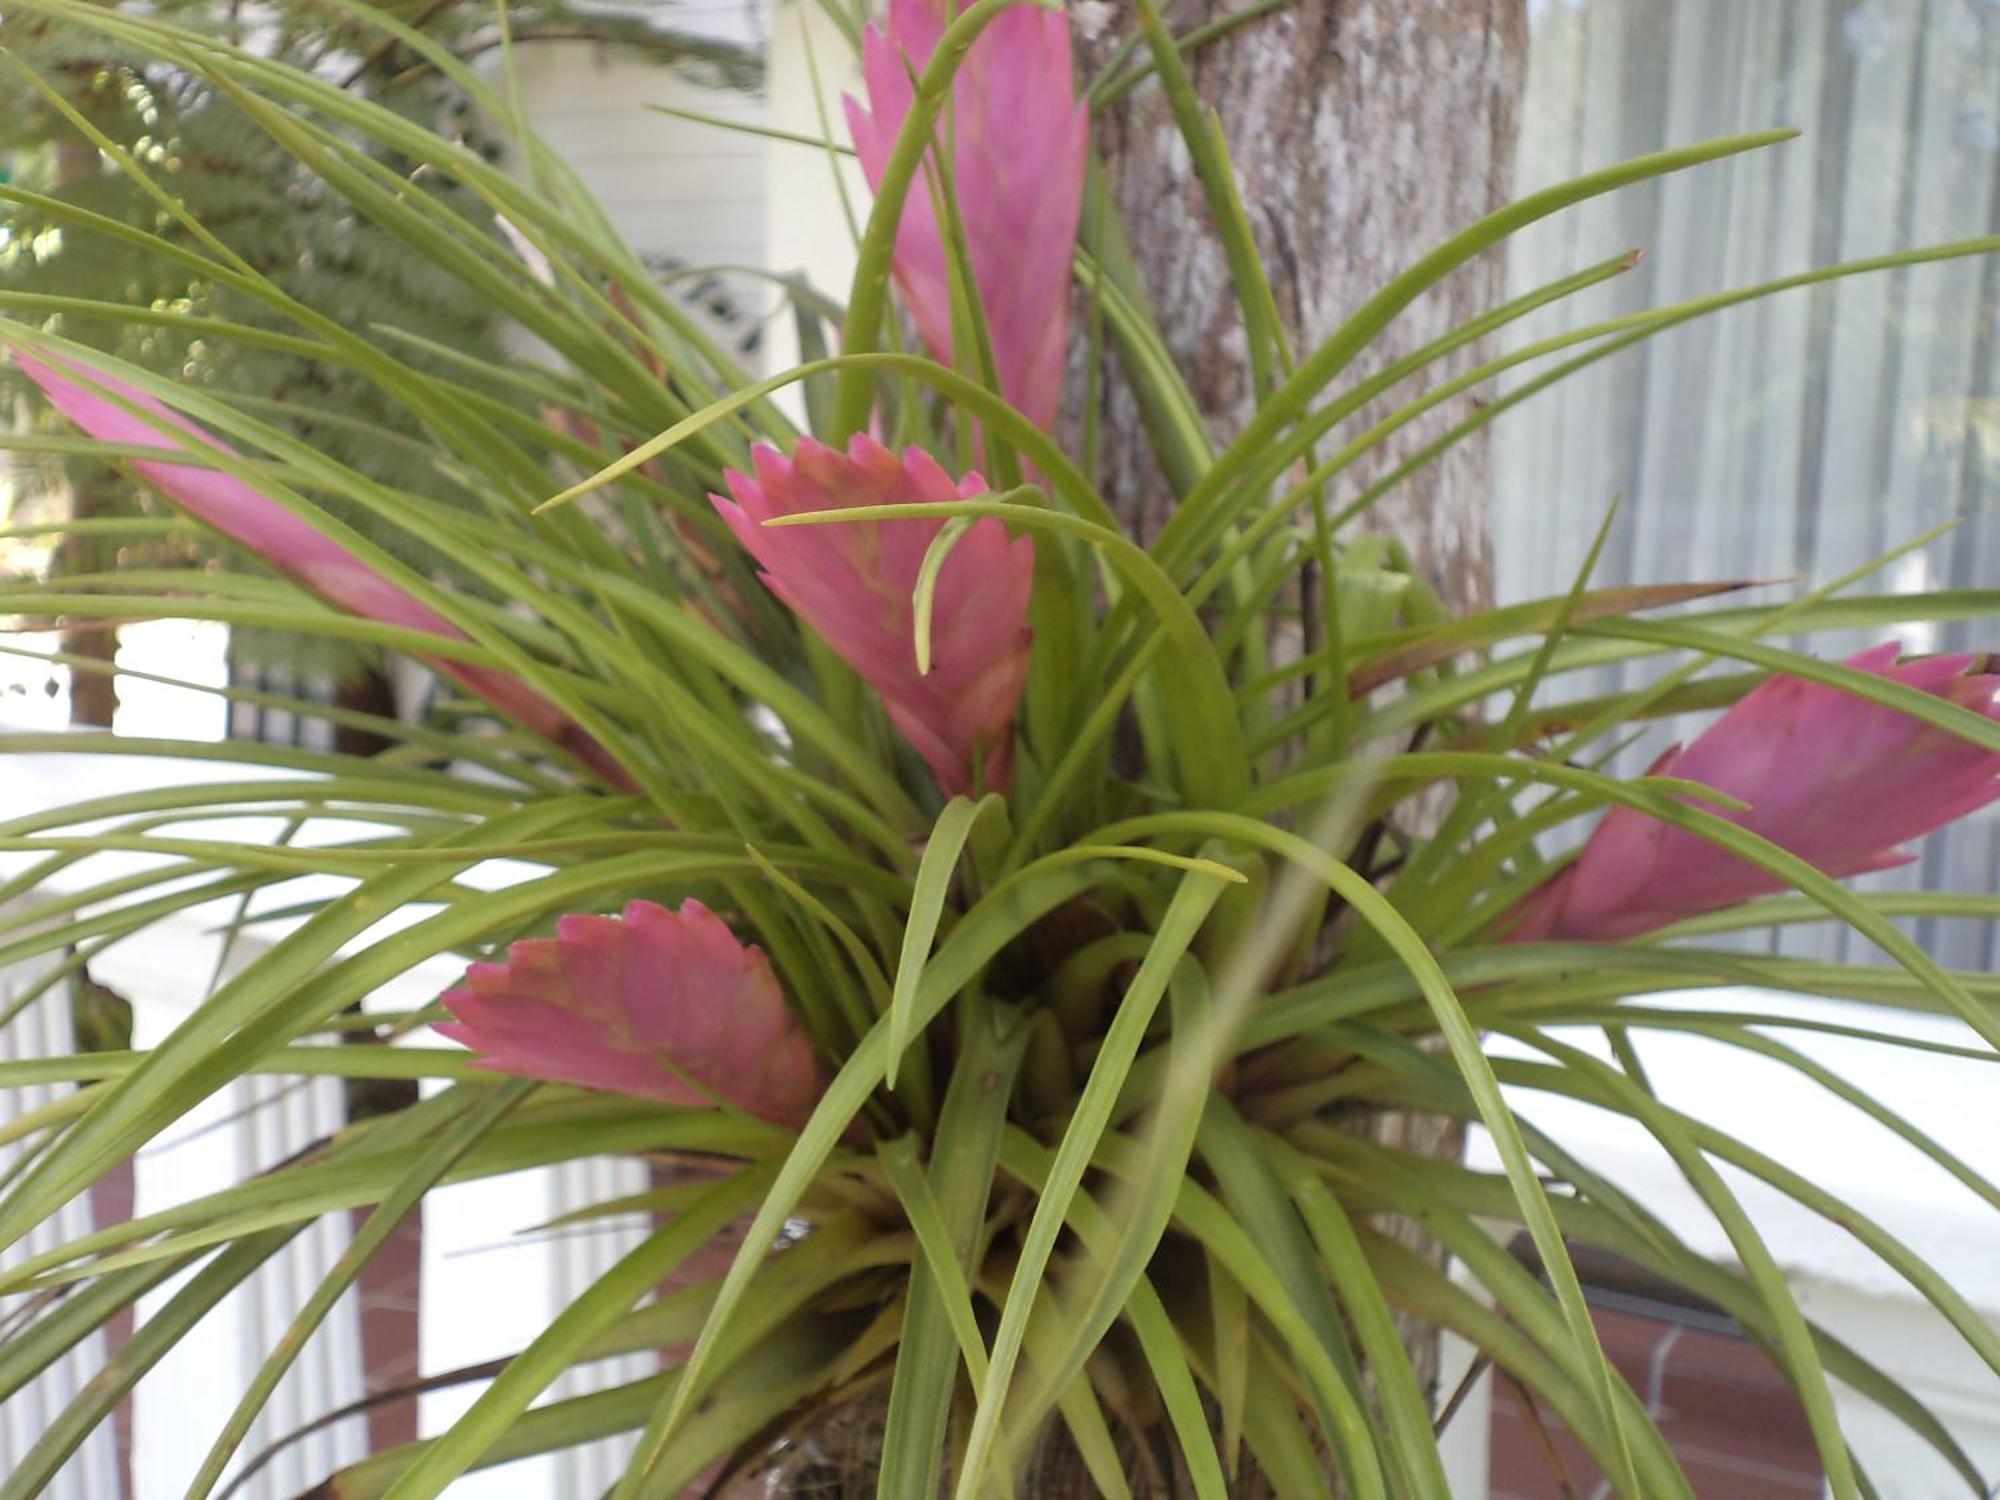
[
  {"x": 683, "y": 194},
  {"x": 807, "y": 229}
]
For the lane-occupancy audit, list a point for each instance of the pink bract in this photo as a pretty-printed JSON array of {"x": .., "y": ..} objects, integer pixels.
[
  {"x": 1835, "y": 779},
  {"x": 854, "y": 583},
  {"x": 1017, "y": 133},
  {"x": 286, "y": 541},
  {"x": 657, "y": 1004}
]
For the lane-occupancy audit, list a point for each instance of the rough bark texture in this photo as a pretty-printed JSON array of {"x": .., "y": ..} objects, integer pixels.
[
  {"x": 1362, "y": 132},
  {"x": 93, "y": 696}
]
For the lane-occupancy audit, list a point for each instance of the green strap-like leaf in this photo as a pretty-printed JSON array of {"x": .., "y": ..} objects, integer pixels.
[
  {"x": 1326, "y": 362},
  {"x": 1378, "y": 1178},
  {"x": 1794, "y": 1337},
  {"x": 927, "y": 903},
  {"x": 1424, "y": 1289},
  {"x": 1027, "y": 1160},
  {"x": 1178, "y": 928},
  {"x": 1411, "y": 1439},
  {"x": 996, "y": 920},
  {"x": 557, "y": 1346},
  {"x": 956, "y": 1196},
  {"x": 1106, "y": 1283},
  {"x": 1466, "y": 1052},
  {"x": 155, "y": 1337},
  {"x": 436, "y": 1160}
]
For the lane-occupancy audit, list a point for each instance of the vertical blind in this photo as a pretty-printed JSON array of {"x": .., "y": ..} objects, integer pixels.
[{"x": 1799, "y": 437}]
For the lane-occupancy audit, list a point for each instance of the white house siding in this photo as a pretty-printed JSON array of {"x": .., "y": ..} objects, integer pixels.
[
  {"x": 806, "y": 226},
  {"x": 685, "y": 195}
]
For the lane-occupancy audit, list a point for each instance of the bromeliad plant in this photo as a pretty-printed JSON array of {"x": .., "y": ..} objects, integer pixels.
[{"x": 990, "y": 928}]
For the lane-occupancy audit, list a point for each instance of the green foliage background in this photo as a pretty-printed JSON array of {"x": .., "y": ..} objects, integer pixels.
[{"x": 287, "y": 224}]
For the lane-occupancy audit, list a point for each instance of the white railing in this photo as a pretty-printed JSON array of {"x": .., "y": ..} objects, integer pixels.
[
  {"x": 42, "y": 1029},
  {"x": 488, "y": 1286}
]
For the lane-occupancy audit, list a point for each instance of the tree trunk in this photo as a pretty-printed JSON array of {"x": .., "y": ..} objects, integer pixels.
[
  {"x": 1362, "y": 132},
  {"x": 93, "y": 696}
]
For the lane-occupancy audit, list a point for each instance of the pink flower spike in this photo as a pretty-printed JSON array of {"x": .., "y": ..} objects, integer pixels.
[
  {"x": 287, "y": 542},
  {"x": 1017, "y": 133},
  {"x": 658, "y": 1004},
  {"x": 854, "y": 583},
  {"x": 1835, "y": 779}
]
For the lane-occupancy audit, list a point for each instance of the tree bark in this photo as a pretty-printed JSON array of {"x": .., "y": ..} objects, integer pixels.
[
  {"x": 93, "y": 696},
  {"x": 1362, "y": 132}
]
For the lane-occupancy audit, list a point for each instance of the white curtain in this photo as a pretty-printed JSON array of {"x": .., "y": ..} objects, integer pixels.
[{"x": 1801, "y": 436}]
